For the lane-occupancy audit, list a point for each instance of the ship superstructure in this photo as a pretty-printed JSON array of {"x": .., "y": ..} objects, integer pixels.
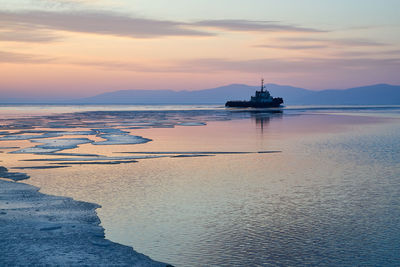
[{"x": 262, "y": 99}]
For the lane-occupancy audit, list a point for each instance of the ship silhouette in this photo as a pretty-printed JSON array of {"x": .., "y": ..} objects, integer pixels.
[{"x": 262, "y": 99}]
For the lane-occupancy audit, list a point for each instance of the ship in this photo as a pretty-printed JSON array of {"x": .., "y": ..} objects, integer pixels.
[{"x": 262, "y": 99}]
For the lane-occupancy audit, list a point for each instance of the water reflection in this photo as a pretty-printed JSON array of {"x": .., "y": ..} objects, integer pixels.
[
  {"x": 319, "y": 202},
  {"x": 263, "y": 118}
]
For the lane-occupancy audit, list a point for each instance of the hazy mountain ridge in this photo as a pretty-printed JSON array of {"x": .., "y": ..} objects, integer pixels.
[{"x": 378, "y": 94}]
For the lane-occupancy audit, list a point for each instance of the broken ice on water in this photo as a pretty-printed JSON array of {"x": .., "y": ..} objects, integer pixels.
[
  {"x": 111, "y": 126},
  {"x": 53, "y": 145},
  {"x": 118, "y": 137},
  {"x": 41, "y": 134},
  {"x": 22, "y": 137}
]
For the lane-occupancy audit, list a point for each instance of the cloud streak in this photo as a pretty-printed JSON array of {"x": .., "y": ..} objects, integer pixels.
[
  {"x": 355, "y": 42},
  {"x": 23, "y": 58},
  {"x": 306, "y": 43},
  {"x": 293, "y": 47},
  {"x": 256, "y": 25},
  {"x": 348, "y": 62},
  {"x": 36, "y": 25},
  {"x": 386, "y": 53},
  {"x": 106, "y": 23},
  {"x": 296, "y": 66},
  {"x": 266, "y": 65},
  {"x": 28, "y": 36}
]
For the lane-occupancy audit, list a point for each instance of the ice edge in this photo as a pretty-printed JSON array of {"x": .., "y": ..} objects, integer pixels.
[{"x": 41, "y": 229}]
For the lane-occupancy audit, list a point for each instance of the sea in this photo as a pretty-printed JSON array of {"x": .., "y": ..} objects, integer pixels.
[{"x": 201, "y": 185}]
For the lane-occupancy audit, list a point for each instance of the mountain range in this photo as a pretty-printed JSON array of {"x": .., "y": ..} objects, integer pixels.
[{"x": 378, "y": 94}]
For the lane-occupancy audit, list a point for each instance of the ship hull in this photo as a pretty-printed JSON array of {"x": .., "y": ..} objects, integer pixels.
[{"x": 276, "y": 102}]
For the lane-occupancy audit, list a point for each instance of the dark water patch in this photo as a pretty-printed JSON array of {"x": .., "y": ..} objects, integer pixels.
[
  {"x": 95, "y": 162},
  {"x": 15, "y": 176},
  {"x": 164, "y": 126},
  {"x": 50, "y": 228},
  {"x": 191, "y": 156},
  {"x": 95, "y": 158},
  {"x": 196, "y": 152},
  {"x": 38, "y": 167},
  {"x": 72, "y": 154},
  {"x": 101, "y": 242},
  {"x": 192, "y": 123},
  {"x": 137, "y": 127}
]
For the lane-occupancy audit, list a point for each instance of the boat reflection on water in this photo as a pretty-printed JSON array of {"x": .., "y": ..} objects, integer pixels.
[{"x": 263, "y": 118}]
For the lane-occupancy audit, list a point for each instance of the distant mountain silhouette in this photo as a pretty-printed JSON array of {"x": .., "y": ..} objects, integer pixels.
[{"x": 379, "y": 94}]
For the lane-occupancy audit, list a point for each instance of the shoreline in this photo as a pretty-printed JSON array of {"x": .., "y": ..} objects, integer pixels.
[{"x": 40, "y": 229}]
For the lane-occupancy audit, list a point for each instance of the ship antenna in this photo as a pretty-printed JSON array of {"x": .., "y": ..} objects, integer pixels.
[{"x": 262, "y": 84}]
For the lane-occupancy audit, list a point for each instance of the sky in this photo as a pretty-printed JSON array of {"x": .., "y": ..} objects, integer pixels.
[{"x": 79, "y": 48}]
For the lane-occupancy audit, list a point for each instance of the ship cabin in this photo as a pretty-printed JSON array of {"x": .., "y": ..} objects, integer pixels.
[{"x": 263, "y": 95}]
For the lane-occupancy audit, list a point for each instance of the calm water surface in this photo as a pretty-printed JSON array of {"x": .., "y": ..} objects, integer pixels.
[{"x": 330, "y": 195}]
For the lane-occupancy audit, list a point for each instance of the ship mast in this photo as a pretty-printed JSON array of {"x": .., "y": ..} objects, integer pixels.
[{"x": 262, "y": 85}]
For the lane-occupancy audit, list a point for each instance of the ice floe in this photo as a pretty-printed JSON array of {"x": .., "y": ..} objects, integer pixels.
[
  {"x": 115, "y": 136},
  {"x": 42, "y": 134},
  {"x": 116, "y": 139},
  {"x": 22, "y": 137},
  {"x": 53, "y": 145}
]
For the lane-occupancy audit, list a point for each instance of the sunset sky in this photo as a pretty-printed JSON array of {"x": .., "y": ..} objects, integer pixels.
[{"x": 85, "y": 47}]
